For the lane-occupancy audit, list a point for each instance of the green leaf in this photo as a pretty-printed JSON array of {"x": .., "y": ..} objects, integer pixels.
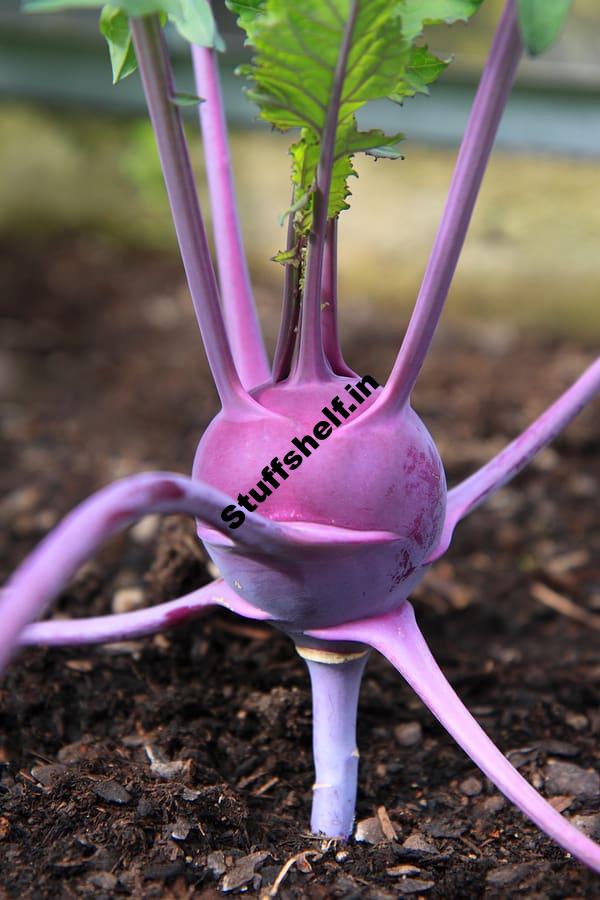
[
  {"x": 305, "y": 158},
  {"x": 416, "y": 14},
  {"x": 352, "y": 141},
  {"x": 114, "y": 25},
  {"x": 195, "y": 22},
  {"x": 299, "y": 204},
  {"x": 339, "y": 191},
  {"x": 246, "y": 11},
  {"x": 183, "y": 99},
  {"x": 287, "y": 257},
  {"x": 422, "y": 70},
  {"x": 541, "y": 21},
  {"x": 389, "y": 151},
  {"x": 297, "y": 48}
]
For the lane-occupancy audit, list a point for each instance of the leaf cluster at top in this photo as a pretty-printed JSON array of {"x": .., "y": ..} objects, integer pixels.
[{"x": 296, "y": 48}]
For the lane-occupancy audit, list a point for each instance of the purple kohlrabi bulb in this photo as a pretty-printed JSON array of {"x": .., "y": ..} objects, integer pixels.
[{"x": 366, "y": 493}]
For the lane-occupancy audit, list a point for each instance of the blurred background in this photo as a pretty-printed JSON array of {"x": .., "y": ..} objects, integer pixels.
[{"x": 77, "y": 155}]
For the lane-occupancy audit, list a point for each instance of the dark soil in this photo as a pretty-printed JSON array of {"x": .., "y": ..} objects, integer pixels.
[{"x": 102, "y": 375}]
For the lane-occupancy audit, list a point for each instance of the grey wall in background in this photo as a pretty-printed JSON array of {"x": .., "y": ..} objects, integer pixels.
[{"x": 61, "y": 59}]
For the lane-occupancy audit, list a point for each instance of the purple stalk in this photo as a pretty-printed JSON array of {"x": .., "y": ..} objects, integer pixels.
[
  {"x": 157, "y": 80},
  {"x": 470, "y": 493},
  {"x": 41, "y": 577},
  {"x": 238, "y": 302},
  {"x": 290, "y": 312},
  {"x": 329, "y": 301},
  {"x": 133, "y": 625},
  {"x": 123, "y": 626},
  {"x": 335, "y": 690},
  {"x": 490, "y": 100},
  {"x": 397, "y": 636},
  {"x": 311, "y": 364}
]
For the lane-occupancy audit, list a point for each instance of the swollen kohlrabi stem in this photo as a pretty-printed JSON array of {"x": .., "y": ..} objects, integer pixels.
[
  {"x": 490, "y": 100},
  {"x": 397, "y": 636},
  {"x": 331, "y": 338},
  {"x": 467, "y": 495},
  {"x": 243, "y": 328},
  {"x": 290, "y": 307},
  {"x": 311, "y": 363},
  {"x": 158, "y": 86},
  {"x": 335, "y": 689}
]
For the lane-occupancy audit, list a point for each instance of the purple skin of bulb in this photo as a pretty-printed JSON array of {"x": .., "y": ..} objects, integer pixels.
[
  {"x": 333, "y": 564},
  {"x": 365, "y": 537}
]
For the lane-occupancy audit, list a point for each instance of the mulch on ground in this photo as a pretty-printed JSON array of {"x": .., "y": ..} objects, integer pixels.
[{"x": 180, "y": 765}]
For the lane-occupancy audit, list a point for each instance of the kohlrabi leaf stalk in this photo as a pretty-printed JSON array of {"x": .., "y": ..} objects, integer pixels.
[
  {"x": 236, "y": 291},
  {"x": 292, "y": 256},
  {"x": 311, "y": 363},
  {"x": 490, "y": 100},
  {"x": 320, "y": 495},
  {"x": 157, "y": 79},
  {"x": 329, "y": 304},
  {"x": 469, "y": 494},
  {"x": 397, "y": 637}
]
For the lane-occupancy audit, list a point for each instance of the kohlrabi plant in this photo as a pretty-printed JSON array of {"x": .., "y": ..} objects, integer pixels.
[{"x": 319, "y": 494}]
